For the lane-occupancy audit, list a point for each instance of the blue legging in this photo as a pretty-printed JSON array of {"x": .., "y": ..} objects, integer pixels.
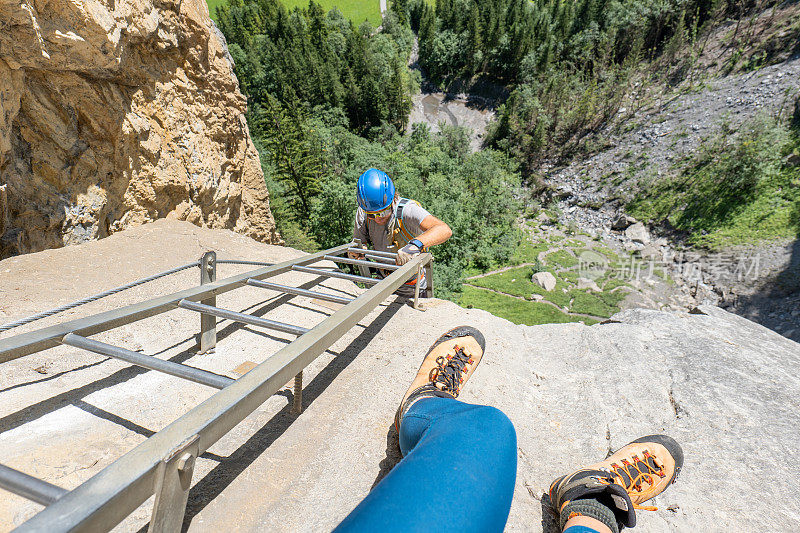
[{"x": 457, "y": 473}]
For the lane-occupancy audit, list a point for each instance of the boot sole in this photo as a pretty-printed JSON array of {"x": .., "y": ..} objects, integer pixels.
[{"x": 460, "y": 331}]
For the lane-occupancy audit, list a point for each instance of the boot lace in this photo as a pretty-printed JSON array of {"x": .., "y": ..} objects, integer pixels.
[
  {"x": 635, "y": 473},
  {"x": 447, "y": 374}
]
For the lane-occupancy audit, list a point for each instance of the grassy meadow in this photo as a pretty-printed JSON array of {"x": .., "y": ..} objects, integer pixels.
[{"x": 356, "y": 10}]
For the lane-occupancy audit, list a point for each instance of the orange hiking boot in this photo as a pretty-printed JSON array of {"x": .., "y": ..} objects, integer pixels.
[
  {"x": 632, "y": 475},
  {"x": 448, "y": 364}
]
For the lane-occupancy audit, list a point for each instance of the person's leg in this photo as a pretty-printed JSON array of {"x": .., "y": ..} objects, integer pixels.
[
  {"x": 459, "y": 468},
  {"x": 606, "y": 493},
  {"x": 585, "y": 524},
  {"x": 458, "y": 472}
]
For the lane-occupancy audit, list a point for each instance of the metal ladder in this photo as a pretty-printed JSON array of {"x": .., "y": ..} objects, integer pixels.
[{"x": 163, "y": 464}]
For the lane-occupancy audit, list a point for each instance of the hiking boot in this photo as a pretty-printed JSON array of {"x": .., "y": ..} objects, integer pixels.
[
  {"x": 629, "y": 477},
  {"x": 448, "y": 364}
]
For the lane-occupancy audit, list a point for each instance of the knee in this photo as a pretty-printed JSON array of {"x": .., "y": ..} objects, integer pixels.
[
  {"x": 493, "y": 421},
  {"x": 500, "y": 421}
]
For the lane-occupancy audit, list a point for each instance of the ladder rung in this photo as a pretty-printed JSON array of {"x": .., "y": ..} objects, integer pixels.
[
  {"x": 299, "y": 292},
  {"x": 29, "y": 487},
  {"x": 146, "y": 361},
  {"x": 372, "y": 253},
  {"x": 359, "y": 262},
  {"x": 241, "y": 317},
  {"x": 335, "y": 274}
]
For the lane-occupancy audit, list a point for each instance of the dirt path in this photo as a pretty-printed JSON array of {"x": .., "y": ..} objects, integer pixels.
[{"x": 478, "y": 276}]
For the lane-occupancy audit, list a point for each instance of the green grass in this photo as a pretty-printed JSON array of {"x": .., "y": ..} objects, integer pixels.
[
  {"x": 515, "y": 285},
  {"x": 528, "y": 252},
  {"x": 517, "y": 282},
  {"x": 515, "y": 310},
  {"x": 589, "y": 304},
  {"x": 608, "y": 252},
  {"x": 212, "y": 7},
  {"x": 611, "y": 284},
  {"x": 561, "y": 258},
  {"x": 734, "y": 193},
  {"x": 356, "y": 10}
]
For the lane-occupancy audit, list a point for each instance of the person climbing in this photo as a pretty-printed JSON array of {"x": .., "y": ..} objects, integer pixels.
[
  {"x": 394, "y": 224},
  {"x": 459, "y": 463}
]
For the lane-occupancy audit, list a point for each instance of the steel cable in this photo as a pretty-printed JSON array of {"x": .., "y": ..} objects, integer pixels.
[
  {"x": 89, "y": 299},
  {"x": 109, "y": 292}
]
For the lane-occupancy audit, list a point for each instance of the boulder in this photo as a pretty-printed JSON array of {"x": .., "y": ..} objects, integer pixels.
[
  {"x": 638, "y": 233},
  {"x": 545, "y": 280},
  {"x": 113, "y": 114},
  {"x": 651, "y": 251},
  {"x": 622, "y": 222},
  {"x": 585, "y": 283},
  {"x": 536, "y": 297}
]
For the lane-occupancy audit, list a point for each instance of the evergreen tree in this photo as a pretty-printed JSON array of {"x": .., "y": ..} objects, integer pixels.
[{"x": 295, "y": 153}]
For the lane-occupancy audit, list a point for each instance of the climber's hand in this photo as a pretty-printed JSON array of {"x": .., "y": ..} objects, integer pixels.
[
  {"x": 356, "y": 255},
  {"x": 405, "y": 253}
]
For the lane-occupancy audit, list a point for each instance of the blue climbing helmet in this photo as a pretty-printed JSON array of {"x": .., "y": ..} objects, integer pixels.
[{"x": 374, "y": 191}]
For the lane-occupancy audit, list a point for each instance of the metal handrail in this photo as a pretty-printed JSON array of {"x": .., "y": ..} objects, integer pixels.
[{"x": 35, "y": 341}]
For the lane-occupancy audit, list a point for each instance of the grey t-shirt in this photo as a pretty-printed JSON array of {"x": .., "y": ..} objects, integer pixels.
[{"x": 381, "y": 236}]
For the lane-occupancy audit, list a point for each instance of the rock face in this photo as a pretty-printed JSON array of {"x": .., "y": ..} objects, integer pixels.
[
  {"x": 113, "y": 114},
  {"x": 722, "y": 386}
]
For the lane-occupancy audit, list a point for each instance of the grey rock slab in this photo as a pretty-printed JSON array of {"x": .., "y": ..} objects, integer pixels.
[{"x": 723, "y": 386}]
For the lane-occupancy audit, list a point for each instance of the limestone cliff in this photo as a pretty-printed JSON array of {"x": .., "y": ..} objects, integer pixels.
[{"x": 115, "y": 113}]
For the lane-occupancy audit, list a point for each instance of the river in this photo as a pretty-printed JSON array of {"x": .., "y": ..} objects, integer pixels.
[{"x": 434, "y": 107}]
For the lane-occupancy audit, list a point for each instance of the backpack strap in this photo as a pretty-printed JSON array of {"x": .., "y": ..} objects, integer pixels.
[
  {"x": 401, "y": 204},
  {"x": 398, "y": 219}
]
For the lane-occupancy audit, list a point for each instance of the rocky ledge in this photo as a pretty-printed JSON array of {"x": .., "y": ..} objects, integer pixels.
[{"x": 723, "y": 386}]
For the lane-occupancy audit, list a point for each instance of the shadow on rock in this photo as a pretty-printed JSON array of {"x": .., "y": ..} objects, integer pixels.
[
  {"x": 549, "y": 518},
  {"x": 212, "y": 485},
  {"x": 775, "y": 305},
  {"x": 75, "y": 396},
  {"x": 393, "y": 455}
]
